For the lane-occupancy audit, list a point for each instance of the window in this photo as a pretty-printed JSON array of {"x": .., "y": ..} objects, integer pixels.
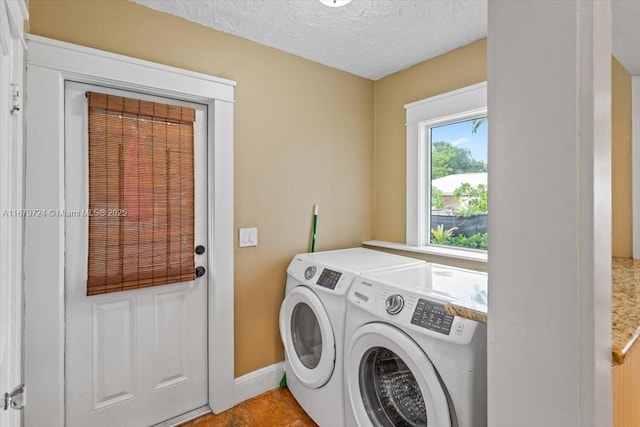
[{"x": 447, "y": 167}]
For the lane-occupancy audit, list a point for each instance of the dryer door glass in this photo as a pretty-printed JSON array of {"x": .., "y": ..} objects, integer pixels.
[
  {"x": 390, "y": 392},
  {"x": 306, "y": 335}
]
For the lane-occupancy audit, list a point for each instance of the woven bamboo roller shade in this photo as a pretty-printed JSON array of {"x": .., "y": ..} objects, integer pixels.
[{"x": 141, "y": 194}]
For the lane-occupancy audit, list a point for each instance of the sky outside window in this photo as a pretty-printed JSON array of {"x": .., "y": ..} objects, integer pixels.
[{"x": 460, "y": 135}]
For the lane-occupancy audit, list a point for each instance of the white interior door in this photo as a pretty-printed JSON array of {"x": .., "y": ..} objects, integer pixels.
[{"x": 132, "y": 358}]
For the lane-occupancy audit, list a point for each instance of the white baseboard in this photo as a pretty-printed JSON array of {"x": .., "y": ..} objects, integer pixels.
[{"x": 258, "y": 382}]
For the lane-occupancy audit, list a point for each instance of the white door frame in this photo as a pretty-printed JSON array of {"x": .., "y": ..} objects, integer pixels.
[
  {"x": 49, "y": 64},
  {"x": 12, "y": 16}
]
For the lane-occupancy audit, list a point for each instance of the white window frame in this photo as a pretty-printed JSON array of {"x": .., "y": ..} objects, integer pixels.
[{"x": 463, "y": 104}]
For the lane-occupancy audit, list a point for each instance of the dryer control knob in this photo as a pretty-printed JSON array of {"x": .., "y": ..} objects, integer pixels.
[
  {"x": 309, "y": 272},
  {"x": 395, "y": 303}
]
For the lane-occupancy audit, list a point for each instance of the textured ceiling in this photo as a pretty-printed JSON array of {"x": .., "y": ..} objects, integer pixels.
[
  {"x": 372, "y": 38},
  {"x": 369, "y": 38}
]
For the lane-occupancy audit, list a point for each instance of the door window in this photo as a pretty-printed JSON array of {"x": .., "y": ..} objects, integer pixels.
[
  {"x": 390, "y": 392},
  {"x": 141, "y": 193},
  {"x": 306, "y": 335}
]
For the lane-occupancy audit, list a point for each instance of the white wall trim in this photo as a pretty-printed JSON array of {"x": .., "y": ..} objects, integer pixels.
[
  {"x": 468, "y": 98},
  {"x": 635, "y": 162},
  {"x": 17, "y": 14},
  {"x": 50, "y": 64},
  {"x": 259, "y": 381},
  {"x": 59, "y": 55},
  {"x": 12, "y": 16},
  {"x": 441, "y": 251}
]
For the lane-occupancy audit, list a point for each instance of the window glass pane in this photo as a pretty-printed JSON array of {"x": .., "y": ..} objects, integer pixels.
[{"x": 459, "y": 184}]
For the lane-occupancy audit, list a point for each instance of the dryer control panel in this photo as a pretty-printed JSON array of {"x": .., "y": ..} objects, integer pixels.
[
  {"x": 431, "y": 315},
  {"x": 317, "y": 276},
  {"x": 328, "y": 278}
]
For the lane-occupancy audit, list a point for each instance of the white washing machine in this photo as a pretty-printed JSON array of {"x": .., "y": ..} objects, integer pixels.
[
  {"x": 312, "y": 319},
  {"x": 407, "y": 361}
]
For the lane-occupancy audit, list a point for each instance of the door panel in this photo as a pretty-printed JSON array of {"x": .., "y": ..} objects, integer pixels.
[
  {"x": 138, "y": 357},
  {"x": 114, "y": 353},
  {"x": 170, "y": 328}
]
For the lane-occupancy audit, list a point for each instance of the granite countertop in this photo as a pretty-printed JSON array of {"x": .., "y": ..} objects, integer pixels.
[
  {"x": 474, "y": 307},
  {"x": 625, "y": 306}
]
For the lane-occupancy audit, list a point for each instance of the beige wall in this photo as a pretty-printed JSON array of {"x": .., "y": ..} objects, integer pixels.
[
  {"x": 461, "y": 67},
  {"x": 621, "y": 232},
  {"x": 453, "y": 70},
  {"x": 303, "y": 135}
]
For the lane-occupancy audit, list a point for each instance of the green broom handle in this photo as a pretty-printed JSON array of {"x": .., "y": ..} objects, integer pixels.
[
  {"x": 283, "y": 381},
  {"x": 315, "y": 228}
]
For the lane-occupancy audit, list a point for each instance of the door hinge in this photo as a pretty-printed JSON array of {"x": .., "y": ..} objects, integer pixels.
[
  {"x": 15, "y": 399},
  {"x": 15, "y": 98}
]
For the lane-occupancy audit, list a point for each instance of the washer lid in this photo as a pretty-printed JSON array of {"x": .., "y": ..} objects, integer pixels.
[
  {"x": 443, "y": 282},
  {"x": 390, "y": 381},
  {"x": 308, "y": 338},
  {"x": 358, "y": 260}
]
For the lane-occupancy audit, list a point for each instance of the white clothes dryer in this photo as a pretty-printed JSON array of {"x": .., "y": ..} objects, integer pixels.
[
  {"x": 312, "y": 319},
  {"x": 407, "y": 361}
]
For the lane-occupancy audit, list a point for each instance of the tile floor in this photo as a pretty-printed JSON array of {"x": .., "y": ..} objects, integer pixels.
[{"x": 275, "y": 408}]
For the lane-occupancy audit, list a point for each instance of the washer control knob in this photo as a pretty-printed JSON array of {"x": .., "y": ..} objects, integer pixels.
[
  {"x": 309, "y": 272},
  {"x": 395, "y": 303}
]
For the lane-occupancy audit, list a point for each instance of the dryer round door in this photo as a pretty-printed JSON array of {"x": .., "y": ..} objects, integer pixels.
[
  {"x": 391, "y": 382},
  {"x": 307, "y": 336}
]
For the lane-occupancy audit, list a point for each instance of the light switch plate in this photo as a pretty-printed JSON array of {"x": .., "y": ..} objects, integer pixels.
[{"x": 247, "y": 237}]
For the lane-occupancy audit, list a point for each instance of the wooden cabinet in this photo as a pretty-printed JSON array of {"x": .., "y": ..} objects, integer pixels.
[{"x": 626, "y": 390}]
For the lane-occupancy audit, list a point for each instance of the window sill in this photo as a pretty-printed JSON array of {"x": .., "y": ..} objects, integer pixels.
[{"x": 459, "y": 254}]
